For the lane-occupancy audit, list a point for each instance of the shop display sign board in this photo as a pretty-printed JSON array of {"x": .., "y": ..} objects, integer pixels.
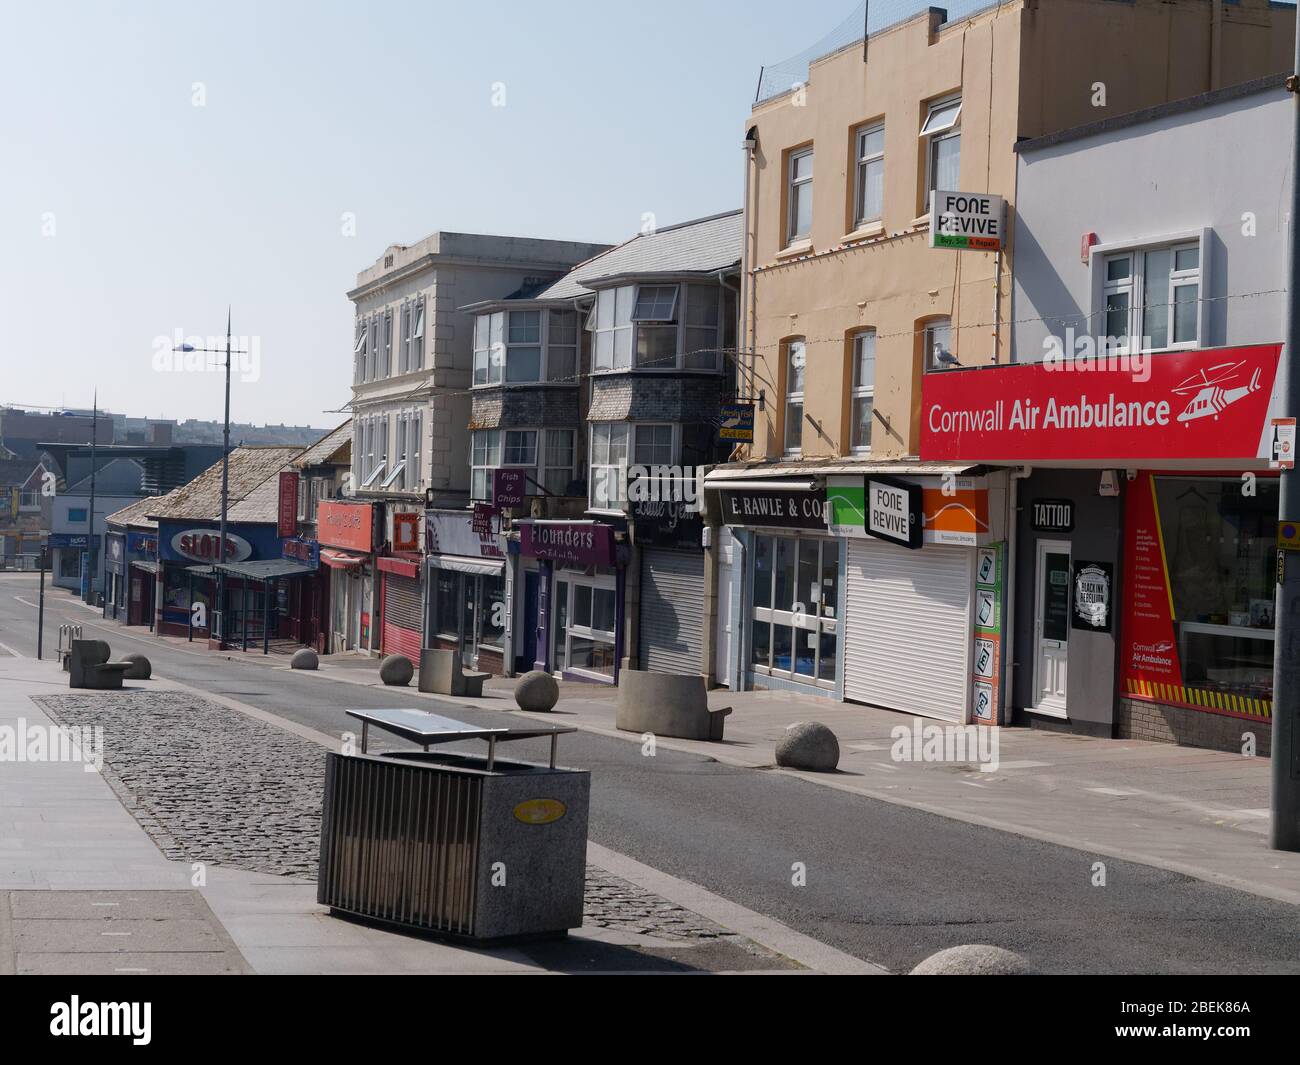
[
  {"x": 986, "y": 662},
  {"x": 1093, "y": 584},
  {"x": 1281, "y": 451},
  {"x": 736, "y": 423},
  {"x": 966, "y": 221},
  {"x": 1052, "y": 515},
  {"x": 894, "y": 511},
  {"x": 1212, "y": 403}
]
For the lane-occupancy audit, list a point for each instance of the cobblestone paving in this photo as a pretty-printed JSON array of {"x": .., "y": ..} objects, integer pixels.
[
  {"x": 230, "y": 791},
  {"x": 210, "y": 784}
]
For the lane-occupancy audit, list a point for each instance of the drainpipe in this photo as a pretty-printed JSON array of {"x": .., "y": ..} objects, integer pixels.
[
  {"x": 1010, "y": 612},
  {"x": 746, "y": 291}
]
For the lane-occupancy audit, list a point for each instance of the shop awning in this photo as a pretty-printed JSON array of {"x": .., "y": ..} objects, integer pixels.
[
  {"x": 266, "y": 570},
  {"x": 752, "y": 476},
  {"x": 483, "y": 567},
  {"x": 340, "y": 559},
  {"x": 407, "y": 567},
  {"x": 148, "y": 567}
]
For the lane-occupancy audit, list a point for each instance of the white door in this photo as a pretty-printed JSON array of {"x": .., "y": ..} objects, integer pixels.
[
  {"x": 1051, "y": 627},
  {"x": 722, "y": 663}
]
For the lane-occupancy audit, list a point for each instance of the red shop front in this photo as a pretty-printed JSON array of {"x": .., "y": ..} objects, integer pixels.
[{"x": 1146, "y": 536}]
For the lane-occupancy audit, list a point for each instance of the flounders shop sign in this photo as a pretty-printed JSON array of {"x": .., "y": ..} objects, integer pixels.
[{"x": 1207, "y": 404}]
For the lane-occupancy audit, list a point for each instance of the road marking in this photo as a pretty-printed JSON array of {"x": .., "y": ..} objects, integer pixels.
[
  {"x": 1112, "y": 791},
  {"x": 11, "y": 650},
  {"x": 763, "y": 930}
]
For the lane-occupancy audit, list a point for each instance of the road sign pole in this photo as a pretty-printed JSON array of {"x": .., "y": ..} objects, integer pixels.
[
  {"x": 40, "y": 610},
  {"x": 1285, "y": 802}
]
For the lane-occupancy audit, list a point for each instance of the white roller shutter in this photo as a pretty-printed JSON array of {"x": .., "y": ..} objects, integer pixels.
[
  {"x": 907, "y": 628},
  {"x": 672, "y": 611}
]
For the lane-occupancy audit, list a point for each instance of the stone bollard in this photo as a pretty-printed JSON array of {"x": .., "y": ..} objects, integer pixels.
[
  {"x": 974, "y": 959},
  {"x": 808, "y": 745},
  {"x": 141, "y": 668},
  {"x": 396, "y": 671},
  {"x": 304, "y": 658},
  {"x": 537, "y": 690}
]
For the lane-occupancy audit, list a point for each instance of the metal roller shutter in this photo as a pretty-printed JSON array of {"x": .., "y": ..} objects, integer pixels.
[
  {"x": 672, "y": 611},
  {"x": 402, "y": 630},
  {"x": 907, "y": 628}
]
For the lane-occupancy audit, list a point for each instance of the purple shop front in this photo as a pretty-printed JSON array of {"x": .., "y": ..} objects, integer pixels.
[{"x": 580, "y": 601}]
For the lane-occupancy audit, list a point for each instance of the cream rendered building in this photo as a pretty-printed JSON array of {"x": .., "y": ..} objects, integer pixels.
[{"x": 845, "y": 307}]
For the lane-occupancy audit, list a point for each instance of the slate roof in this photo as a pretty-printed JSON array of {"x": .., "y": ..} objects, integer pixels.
[
  {"x": 200, "y": 500},
  {"x": 704, "y": 245},
  {"x": 319, "y": 453},
  {"x": 134, "y": 515}
]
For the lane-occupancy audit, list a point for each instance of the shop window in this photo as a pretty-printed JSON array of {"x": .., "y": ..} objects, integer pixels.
[
  {"x": 586, "y": 619},
  {"x": 864, "y": 389},
  {"x": 794, "y": 627},
  {"x": 446, "y": 616},
  {"x": 1220, "y": 547},
  {"x": 1152, "y": 298}
]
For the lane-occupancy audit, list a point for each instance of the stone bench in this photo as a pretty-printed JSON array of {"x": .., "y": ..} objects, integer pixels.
[
  {"x": 667, "y": 704},
  {"x": 89, "y": 667},
  {"x": 442, "y": 674}
]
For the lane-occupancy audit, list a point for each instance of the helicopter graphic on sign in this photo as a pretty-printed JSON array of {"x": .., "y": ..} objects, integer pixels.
[{"x": 1210, "y": 396}]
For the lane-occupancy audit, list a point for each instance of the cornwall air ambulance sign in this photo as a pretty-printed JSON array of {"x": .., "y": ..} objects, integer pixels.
[{"x": 966, "y": 221}]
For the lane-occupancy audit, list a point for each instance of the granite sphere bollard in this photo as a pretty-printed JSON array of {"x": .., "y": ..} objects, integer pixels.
[
  {"x": 304, "y": 659},
  {"x": 974, "y": 959},
  {"x": 396, "y": 670},
  {"x": 141, "y": 668},
  {"x": 536, "y": 690},
  {"x": 808, "y": 745}
]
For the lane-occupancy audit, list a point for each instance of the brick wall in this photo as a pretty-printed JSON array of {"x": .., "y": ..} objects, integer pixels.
[{"x": 1137, "y": 719}]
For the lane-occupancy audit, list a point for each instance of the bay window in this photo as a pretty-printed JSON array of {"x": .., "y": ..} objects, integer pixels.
[
  {"x": 546, "y": 456},
  {"x": 616, "y": 444},
  {"x": 526, "y": 347},
  {"x": 1152, "y": 297},
  {"x": 658, "y": 327}
]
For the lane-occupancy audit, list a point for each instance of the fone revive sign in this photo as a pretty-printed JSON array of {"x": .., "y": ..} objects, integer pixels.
[
  {"x": 966, "y": 221},
  {"x": 894, "y": 511},
  {"x": 1208, "y": 404}
]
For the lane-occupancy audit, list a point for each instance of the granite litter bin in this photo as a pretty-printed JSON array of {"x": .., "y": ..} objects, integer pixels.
[{"x": 457, "y": 845}]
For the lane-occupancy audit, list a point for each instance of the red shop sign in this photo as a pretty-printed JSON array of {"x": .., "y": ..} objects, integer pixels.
[
  {"x": 287, "y": 523},
  {"x": 345, "y": 524},
  {"x": 1207, "y": 404}
]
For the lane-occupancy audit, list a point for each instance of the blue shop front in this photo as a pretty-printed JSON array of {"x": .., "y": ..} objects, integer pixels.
[{"x": 256, "y": 576}]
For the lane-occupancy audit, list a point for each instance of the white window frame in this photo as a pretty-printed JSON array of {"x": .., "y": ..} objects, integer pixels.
[
  {"x": 535, "y": 471},
  {"x": 493, "y": 328},
  {"x": 491, "y": 438},
  {"x": 800, "y": 621},
  {"x": 933, "y": 131},
  {"x": 632, "y": 429},
  {"x": 359, "y": 352},
  {"x": 860, "y": 392},
  {"x": 415, "y": 432},
  {"x": 596, "y": 582},
  {"x": 864, "y": 160},
  {"x": 931, "y": 361},
  {"x": 544, "y": 466},
  {"x": 605, "y": 352},
  {"x": 794, "y": 395},
  {"x": 1135, "y": 287},
  {"x": 792, "y": 233}
]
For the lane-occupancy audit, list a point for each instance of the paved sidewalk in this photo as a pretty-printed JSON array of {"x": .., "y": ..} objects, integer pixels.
[
  {"x": 85, "y": 889},
  {"x": 1198, "y": 812}
]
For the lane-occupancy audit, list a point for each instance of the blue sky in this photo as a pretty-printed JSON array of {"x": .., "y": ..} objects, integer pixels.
[{"x": 127, "y": 213}]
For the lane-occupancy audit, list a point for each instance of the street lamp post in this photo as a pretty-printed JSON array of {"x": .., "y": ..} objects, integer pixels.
[{"x": 217, "y": 627}]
